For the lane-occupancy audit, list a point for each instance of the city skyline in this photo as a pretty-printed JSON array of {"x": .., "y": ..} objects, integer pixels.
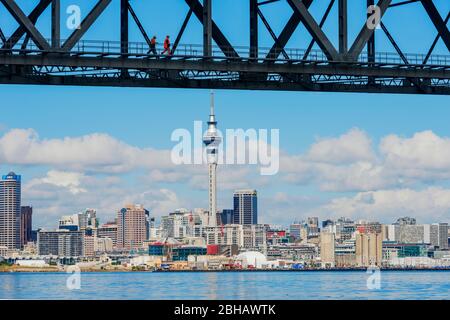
[
  {"x": 325, "y": 178},
  {"x": 357, "y": 155}
]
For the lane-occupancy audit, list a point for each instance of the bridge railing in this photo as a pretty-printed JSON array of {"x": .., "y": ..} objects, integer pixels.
[{"x": 195, "y": 51}]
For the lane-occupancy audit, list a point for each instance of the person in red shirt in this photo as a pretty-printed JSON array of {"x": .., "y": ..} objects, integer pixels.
[{"x": 167, "y": 46}]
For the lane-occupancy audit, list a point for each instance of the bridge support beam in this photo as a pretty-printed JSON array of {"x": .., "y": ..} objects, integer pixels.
[
  {"x": 124, "y": 26},
  {"x": 436, "y": 18},
  {"x": 56, "y": 24},
  {"x": 343, "y": 32},
  {"x": 207, "y": 28},
  {"x": 253, "y": 29}
]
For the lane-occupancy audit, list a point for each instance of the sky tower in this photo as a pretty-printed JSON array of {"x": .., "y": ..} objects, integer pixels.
[{"x": 212, "y": 141}]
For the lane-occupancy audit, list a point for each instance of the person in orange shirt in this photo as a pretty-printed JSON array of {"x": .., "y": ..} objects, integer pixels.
[
  {"x": 153, "y": 46},
  {"x": 167, "y": 46}
]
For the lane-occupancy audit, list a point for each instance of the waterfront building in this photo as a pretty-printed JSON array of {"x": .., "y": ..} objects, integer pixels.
[
  {"x": 132, "y": 227},
  {"x": 103, "y": 245},
  {"x": 10, "y": 212},
  {"x": 254, "y": 237},
  {"x": 89, "y": 243},
  {"x": 229, "y": 234},
  {"x": 439, "y": 235},
  {"x": 327, "y": 247},
  {"x": 108, "y": 230},
  {"x": 245, "y": 207},
  {"x": 276, "y": 236},
  {"x": 404, "y": 250},
  {"x": 183, "y": 252},
  {"x": 3, "y": 252},
  {"x": 26, "y": 225},
  {"x": 390, "y": 232},
  {"x": 443, "y": 236},
  {"x": 345, "y": 254},
  {"x": 411, "y": 233},
  {"x": 61, "y": 243},
  {"x": 178, "y": 224},
  {"x": 294, "y": 252},
  {"x": 368, "y": 249}
]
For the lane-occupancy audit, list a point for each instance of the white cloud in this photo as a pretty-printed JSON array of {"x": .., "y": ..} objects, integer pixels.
[
  {"x": 428, "y": 205},
  {"x": 424, "y": 156},
  {"x": 350, "y": 162},
  {"x": 63, "y": 193},
  {"x": 69, "y": 180},
  {"x": 94, "y": 152},
  {"x": 353, "y": 146}
]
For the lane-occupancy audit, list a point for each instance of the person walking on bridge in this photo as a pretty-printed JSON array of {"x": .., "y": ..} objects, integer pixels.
[
  {"x": 153, "y": 46},
  {"x": 167, "y": 46}
]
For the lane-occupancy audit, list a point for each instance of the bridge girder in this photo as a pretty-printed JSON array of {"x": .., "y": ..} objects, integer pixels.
[{"x": 345, "y": 68}]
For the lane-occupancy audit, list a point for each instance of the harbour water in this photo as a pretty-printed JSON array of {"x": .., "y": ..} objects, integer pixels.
[{"x": 228, "y": 285}]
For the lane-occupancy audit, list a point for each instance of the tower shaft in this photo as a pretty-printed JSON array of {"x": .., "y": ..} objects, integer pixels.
[
  {"x": 212, "y": 140},
  {"x": 212, "y": 168}
]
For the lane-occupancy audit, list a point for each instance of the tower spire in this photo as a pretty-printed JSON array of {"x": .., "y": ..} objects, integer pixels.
[{"x": 212, "y": 103}]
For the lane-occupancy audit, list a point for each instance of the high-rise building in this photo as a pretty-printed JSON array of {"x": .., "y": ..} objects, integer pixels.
[
  {"x": 62, "y": 243},
  {"x": 443, "y": 236},
  {"x": 10, "y": 188},
  {"x": 411, "y": 233},
  {"x": 212, "y": 141},
  {"x": 406, "y": 220},
  {"x": 226, "y": 216},
  {"x": 70, "y": 223},
  {"x": 108, "y": 230},
  {"x": 87, "y": 219},
  {"x": 327, "y": 247},
  {"x": 254, "y": 237},
  {"x": 245, "y": 207},
  {"x": 313, "y": 226},
  {"x": 177, "y": 224},
  {"x": 26, "y": 214},
  {"x": 369, "y": 249},
  {"x": 132, "y": 227},
  {"x": 295, "y": 230}
]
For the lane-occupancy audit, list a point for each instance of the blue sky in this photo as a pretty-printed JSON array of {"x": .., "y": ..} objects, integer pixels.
[{"x": 406, "y": 137}]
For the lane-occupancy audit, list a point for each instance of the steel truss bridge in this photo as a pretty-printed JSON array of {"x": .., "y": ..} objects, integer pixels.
[{"x": 28, "y": 57}]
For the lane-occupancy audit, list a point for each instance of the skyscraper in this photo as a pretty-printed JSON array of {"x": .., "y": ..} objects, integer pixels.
[
  {"x": 443, "y": 236},
  {"x": 10, "y": 235},
  {"x": 212, "y": 141},
  {"x": 26, "y": 214},
  {"x": 131, "y": 227},
  {"x": 327, "y": 247},
  {"x": 245, "y": 207},
  {"x": 226, "y": 216}
]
